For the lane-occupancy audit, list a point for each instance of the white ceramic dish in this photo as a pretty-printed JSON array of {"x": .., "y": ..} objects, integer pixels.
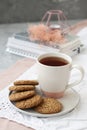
[{"x": 69, "y": 101}]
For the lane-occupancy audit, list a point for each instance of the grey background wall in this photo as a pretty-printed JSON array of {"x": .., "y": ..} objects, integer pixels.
[{"x": 33, "y": 10}]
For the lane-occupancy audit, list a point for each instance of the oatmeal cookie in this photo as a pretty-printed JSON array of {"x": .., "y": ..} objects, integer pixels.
[
  {"x": 49, "y": 106},
  {"x": 21, "y": 87},
  {"x": 21, "y": 95},
  {"x": 27, "y": 82},
  {"x": 29, "y": 103}
]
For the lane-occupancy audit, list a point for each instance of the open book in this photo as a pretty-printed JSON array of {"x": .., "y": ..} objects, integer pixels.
[{"x": 20, "y": 44}]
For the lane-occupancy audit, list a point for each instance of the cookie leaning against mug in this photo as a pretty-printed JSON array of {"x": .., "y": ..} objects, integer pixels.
[
  {"x": 21, "y": 87},
  {"x": 21, "y": 95},
  {"x": 27, "y": 82},
  {"x": 29, "y": 103},
  {"x": 49, "y": 106}
]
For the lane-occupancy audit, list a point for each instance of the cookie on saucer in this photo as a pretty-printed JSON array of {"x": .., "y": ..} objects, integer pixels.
[
  {"x": 26, "y": 82},
  {"x": 49, "y": 106},
  {"x": 29, "y": 103},
  {"x": 21, "y": 87},
  {"x": 21, "y": 95}
]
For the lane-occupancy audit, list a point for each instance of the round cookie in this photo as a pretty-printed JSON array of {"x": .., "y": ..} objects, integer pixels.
[
  {"x": 26, "y": 82},
  {"x": 29, "y": 103},
  {"x": 21, "y": 95},
  {"x": 49, "y": 106},
  {"x": 22, "y": 87}
]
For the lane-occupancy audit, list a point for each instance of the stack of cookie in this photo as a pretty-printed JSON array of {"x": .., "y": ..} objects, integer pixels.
[{"x": 23, "y": 94}]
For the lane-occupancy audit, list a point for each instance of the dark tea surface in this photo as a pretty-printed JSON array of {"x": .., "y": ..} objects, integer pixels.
[{"x": 53, "y": 61}]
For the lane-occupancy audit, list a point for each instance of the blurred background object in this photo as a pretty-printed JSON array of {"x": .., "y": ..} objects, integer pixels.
[
  {"x": 32, "y": 10},
  {"x": 15, "y": 15}
]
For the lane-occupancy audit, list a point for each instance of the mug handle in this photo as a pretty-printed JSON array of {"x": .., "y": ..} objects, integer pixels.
[{"x": 81, "y": 78}]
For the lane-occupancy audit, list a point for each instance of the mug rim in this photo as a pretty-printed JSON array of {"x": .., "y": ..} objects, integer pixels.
[{"x": 58, "y": 54}]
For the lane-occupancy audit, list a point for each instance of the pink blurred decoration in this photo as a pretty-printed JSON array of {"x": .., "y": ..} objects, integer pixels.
[{"x": 49, "y": 32}]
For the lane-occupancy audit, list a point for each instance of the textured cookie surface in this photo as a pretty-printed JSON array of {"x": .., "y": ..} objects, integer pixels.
[
  {"x": 27, "y": 82},
  {"x": 49, "y": 106},
  {"x": 21, "y": 95},
  {"x": 22, "y": 87},
  {"x": 29, "y": 103}
]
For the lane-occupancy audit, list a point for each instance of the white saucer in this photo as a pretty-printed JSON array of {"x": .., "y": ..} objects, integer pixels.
[{"x": 69, "y": 101}]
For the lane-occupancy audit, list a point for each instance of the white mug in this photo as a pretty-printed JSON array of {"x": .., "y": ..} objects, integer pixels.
[{"x": 54, "y": 77}]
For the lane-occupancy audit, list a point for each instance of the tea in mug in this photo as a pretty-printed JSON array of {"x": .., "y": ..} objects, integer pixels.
[{"x": 53, "y": 61}]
